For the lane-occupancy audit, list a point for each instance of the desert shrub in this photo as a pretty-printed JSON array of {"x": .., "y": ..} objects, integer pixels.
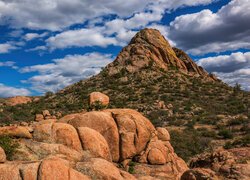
[
  {"x": 188, "y": 143},
  {"x": 207, "y": 133},
  {"x": 131, "y": 169},
  {"x": 225, "y": 133},
  {"x": 97, "y": 105},
  {"x": 242, "y": 142},
  {"x": 9, "y": 145}
]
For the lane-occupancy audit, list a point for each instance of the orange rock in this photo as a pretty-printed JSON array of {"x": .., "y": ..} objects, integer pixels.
[
  {"x": 13, "y": 101},
  {"x": 29, "y": 171},
  {"x": 15, "y": 131},
  {"x": 163, "y": 134},
  {"x": 94, "y": 142},
  {"x": 103, "y": 123},
  {"x": 2, "y": 155},
  {"x": 67, "y": 135},
  {"x": 199, "y": 174},
  {"x": 39, "y": 117},
  {"x": 155, "y": 156},
  {"x": 98, "y": 97},
  {"x": 100, "y": 169},
  {"x": 135, "y": 131},
  {"x": 10, "y": 171}
]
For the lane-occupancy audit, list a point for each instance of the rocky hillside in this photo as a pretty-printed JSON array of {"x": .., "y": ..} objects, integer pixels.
[
  {"x": 165, "y": 85},
  {"x": 117, "y": 144}
]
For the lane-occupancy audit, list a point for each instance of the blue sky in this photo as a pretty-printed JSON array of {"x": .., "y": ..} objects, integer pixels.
[{"x": 63, "y": 41}]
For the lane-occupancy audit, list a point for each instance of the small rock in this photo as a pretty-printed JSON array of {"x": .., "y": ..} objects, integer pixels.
[
  {"x": 156, "y": 157},
  {"x": 2, "y": 155},
  {"x": 98, "y": 97},
  {"x": 163, "y": 134},
  {"x": 46, "y": 113},
  {"x": 39, "y": 117}
]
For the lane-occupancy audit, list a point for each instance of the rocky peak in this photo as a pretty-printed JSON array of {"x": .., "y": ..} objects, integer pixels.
[{"x": 149, "y": 49}]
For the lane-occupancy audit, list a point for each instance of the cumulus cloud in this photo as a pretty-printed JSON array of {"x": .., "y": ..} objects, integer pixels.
[
  {"x": 103, "y": 32},
  {"x": 80, "y": 38},
  {"x": 232, "y": 69},
  {"x": 6, "y": 47},
  {"x": 58, "y": 14},
  {"x": 205, "y": 31},
  {"x": 8, "y": 91},
  {"x": 32, "y": 36},
  {"x": 65, "y": 71}
]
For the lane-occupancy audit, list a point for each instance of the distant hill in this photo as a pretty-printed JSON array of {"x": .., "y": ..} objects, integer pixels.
[{"x": 167, "y": 86}]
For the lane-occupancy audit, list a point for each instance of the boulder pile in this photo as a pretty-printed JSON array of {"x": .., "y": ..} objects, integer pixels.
[{"x": 106, "y": 144}]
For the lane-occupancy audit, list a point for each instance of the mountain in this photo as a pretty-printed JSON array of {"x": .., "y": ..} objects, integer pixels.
[{"x": 165, "y": 85}]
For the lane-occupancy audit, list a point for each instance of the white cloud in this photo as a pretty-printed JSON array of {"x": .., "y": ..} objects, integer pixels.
[
  {"x": 32, "y": 36},
  {"x": 232, "y": 69},
  {"x": 8, "y": 91},
  {"x": 65, "y": 71},
  {"x": 80, "y": 38},
  {"x": 58, "y": 14},
  {"x": 205, "y": 31},
  {"x": 10, "y": 64},
  {"x": 6, "y": 47}
]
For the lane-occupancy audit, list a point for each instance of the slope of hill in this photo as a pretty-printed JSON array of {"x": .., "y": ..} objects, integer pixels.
[{"x": 167, "y": 87}]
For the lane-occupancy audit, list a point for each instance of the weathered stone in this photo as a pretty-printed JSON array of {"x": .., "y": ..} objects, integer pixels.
[
  {"x": 103, "y": 123},
  {"x": 39, "y": 117},
  {"x": 100, "y": 169},
  {"x": 15, "y": 131},
  {"x": 163, "y": 134},
  {"x": 94, "y": 142},
  {"x": 2, "y": 155},
  {"x": 67, "y": 135},
  {"x": 98, "y": 97},
  {"x": 199, "y": 174},
  {"x": 155, "y": 156}
]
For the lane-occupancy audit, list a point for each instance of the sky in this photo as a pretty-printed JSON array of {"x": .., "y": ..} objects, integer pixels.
[{"x": 46, "y": 45}]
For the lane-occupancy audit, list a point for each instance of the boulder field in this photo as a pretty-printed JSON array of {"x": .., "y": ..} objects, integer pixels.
[{"x": 107, "y": 144}]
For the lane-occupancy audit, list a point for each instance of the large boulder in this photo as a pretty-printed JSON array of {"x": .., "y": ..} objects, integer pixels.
[
  {"x": 103, "y": 123},
  {"x": 134, "y": 129},
  {"x": 50, "y": 132},
  {"x": 98, "y": 97},
  {"x": 67, "y": 135},
  {"x": 94, "y": 142}
]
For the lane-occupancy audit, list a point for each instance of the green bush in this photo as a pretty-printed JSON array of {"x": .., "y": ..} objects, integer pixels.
[
  {"x": 188, "y": 143},
  {"x": 97, "y": 105},
  {"x": 225, "y": 133},
  {"x": 9, "y": 145},
  {"x": 131, "y": 169}
]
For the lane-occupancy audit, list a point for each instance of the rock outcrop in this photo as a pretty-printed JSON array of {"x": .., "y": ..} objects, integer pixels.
[
  {"x": 220, "y": 164},
  {"x": 149, "y": 49},
  {"x": 13, "y": 101},
  {"x": 93, "y": 145}
]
